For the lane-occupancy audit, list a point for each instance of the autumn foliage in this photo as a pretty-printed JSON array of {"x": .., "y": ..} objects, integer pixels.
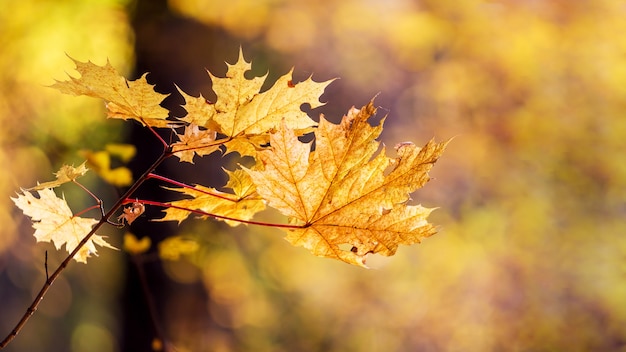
[{"x": 345, "y": 199}]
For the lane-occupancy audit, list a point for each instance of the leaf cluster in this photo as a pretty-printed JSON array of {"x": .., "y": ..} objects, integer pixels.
[{"x": 344, "y": 199}]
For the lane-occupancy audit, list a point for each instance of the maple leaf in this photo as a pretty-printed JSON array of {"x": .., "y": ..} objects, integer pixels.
[
  {"x": 242, "y": 111},
  {"x": 348, "y": 201},
  {"x": 131, "y": 213},
  {"x": 125, "y": 99},
  {"x": 65, "y": 174},
  {"x": 53, "y": 221},
  {"x": 199, "y": 111},
  {"x": 243, "y": 204},
  {"x": 194, "y": 142}
]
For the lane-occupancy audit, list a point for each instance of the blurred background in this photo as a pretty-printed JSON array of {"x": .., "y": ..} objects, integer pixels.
[{"x": 531, "y": 253}]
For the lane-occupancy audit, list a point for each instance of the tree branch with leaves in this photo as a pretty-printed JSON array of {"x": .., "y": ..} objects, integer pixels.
[{"x": 344, "y": 199}]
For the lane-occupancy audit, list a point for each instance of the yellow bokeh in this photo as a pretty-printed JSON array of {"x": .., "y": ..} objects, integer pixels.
[
  {"x": 136, "y": 246},
  {"x": 530, "y": 250},
  {"x": 531, "y": 190},
  {"x": 41, "y": 130}
]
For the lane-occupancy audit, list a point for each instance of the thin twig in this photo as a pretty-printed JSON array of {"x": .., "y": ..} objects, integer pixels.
[
  {"x": 222, "y": 217},
  {"x": 45, "y": 265},
  {"x": 100, "y": 205},
  {"x": 184, "y": 185},
  {"x": 50, "y": 280},
  {"x": 149, "y": 299},
  {"x": 166, "y": 146},
  {"x": 98, "y": 200},
  {"x": 80, "y": 213}
]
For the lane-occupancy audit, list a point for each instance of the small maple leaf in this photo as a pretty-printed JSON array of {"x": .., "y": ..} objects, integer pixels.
[
  {"x": 125, "y": 99},
  {"x": 194, "y": 142},
  {"x": 199, "y": 111},
  {"x": 65, "y": 174},
  {"x": 243, "y": 204},
  {"x": 342, "y": 194},
  {"x": 131, "y": 213},
  {"x": 53, "y": 221}
]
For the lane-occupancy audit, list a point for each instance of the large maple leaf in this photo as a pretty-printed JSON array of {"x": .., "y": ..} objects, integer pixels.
[
  {"x": 243, "y": 113},
  {"x": 53, "y": 221},
  {"x": 347, "y": 201},
  {"x": 125, "y": 99}
]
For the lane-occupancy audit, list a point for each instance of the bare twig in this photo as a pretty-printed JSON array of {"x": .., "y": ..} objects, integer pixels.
[
  {"x": 149, "y": 299},
  {"x": 45, "y": 265},
  {"x": 166, "y": 146},
  {"x": 184, "y": 185}
]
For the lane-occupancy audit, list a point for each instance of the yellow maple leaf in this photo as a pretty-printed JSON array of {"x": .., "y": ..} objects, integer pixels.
[
  {"x": 242, "y": 111},
  {"x": 65, "y": 174},
  {"x": 348, "y": 201},
  {"x": 53, "y": 221},
  {"x": 199, "y": 111},
  {"x": 212, "y": 201},
  {"x": 125, "y": 99},
  {"x": 243, "y": 204}
]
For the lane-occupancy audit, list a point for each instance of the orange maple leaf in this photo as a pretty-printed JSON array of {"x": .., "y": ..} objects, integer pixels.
[
  {"x": 348, "y": 201},
  {"x": 125, "y": 99},
  {"x": 53, "y": 221},
  {"x": 131, "y": 213}
]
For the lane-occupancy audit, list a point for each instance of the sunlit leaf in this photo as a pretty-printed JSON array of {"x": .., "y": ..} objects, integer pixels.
[
  {"x": 125, "y": 99},
  {"x": 349, "y": 201},
  {"x": 65, "y": 174},
  {"x": 54, "y": 222}
]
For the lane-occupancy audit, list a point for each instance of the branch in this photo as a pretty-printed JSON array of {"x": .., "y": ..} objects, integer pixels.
[{"x": 50, "y": 280}]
